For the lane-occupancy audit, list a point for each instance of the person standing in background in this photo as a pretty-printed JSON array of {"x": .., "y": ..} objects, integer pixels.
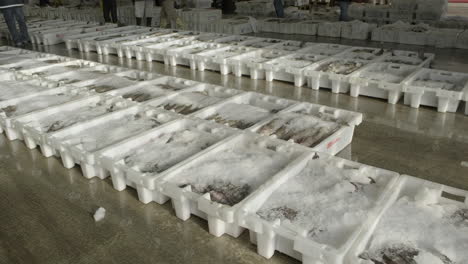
[
  {"x": 109, "y": 7},
  {"x": 279, "y": 8},
  {"x": 144, "y": 8},
  {"x": 12, "y": 11},
  {"x": 169, "y": 15},
  {"x": 344, "y": 4}
]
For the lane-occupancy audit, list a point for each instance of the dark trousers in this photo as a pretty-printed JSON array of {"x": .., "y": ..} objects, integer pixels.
[
  {"x": 279, "y": 8},
  {"x": 110, "y": 10},
  {"x": 13, "y": 16}
]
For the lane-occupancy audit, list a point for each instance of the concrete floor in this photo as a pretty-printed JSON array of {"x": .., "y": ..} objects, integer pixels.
[{"x": 47, "y": 210}]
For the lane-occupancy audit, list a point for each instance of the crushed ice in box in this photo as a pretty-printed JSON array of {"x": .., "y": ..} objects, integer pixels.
[
  {"x": 302, "y": 129},
  {"x": 107, "y": 133},
  {"x": 327, "y": 201},
  {"x": 171, "y": 148},
  {"x": 435, "y": 232},
  {"x": 66, "y": 118},
  {"x": 233, "y": 173}
]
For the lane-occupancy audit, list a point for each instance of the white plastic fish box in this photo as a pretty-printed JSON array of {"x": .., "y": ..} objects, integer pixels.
[
  {"x": 402, "y": 15},
  {"x": 235, "y": 40},
  {"x": 116, "y": 81},
  {"x": 444, "y": 37},
  {"x": 409, "y": 58},
  {"x": 260, "y": 43},
  {"x": 41, "y": 59},
  {"x": 41, "y": 36},
  {"x": 269, "y": 25},
  {"x": 92, "y": 43},
  {"x": 236, "y": 25},
  {"x": 44, "y": 71},
  {"x": 329, "y": 29},
  {"x": 290, "y": 67},
  {"x": 288, "y": 26},
  {"x": 252, "y": 63},
  {"x": 390, "y": 33},
  {"x": 21, "y": 88},
  {"x": 217, "y": 60},
  {"x": 308, "y": 27},
  {"x": 418, "y": 200},
  {"x": 125, "y": 49},
  {"x": 194, "y": 99},
  {"x": 441, "y": 89},
  {"x": 86, "y": 74},
  {"x": 35, "y": 126},
  {"x": 157, "y": 51},
  {"x": 249, "y": 108},
  {"x": 363, "y": 53},
  {"x": 381, "y": 80},
  {"x": 73, "y": 41},
  {"x": 83, "y": 142},
  {"x": 356, "y": 30},
  {"x": 343, "y": 122},
  {"x": 291, "y": 46},
  {"x": 248, "y": 150},
  {"x": 186, "y": 55},
  {"x": 415, "y": 35},
  {"x": 325, "y": 49},
  {"x": 53, "y": 37},
  {"x": 34, "y": 102},
  {"x": 462, "y": 40},
  {"x": 107, "y": 47},
  {"x": 318, "y": 75},
  {"x": 113, "y": 158},
  {"x": 300, "y": 196}
]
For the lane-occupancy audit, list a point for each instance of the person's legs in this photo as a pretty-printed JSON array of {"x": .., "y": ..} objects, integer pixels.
[
  {"x": 138, "y": 21},
  {"x": 106, "y": 9},
  {"x": 170, "y": 12},
  {"x": 113, "y": 11},
  {"x": 10, "y": 20},
  {"x": 23, "y": 28},
  {"x": 148, "y": 21},
  {"x": 279, "y": 8},
  {"x": 344, "y": 10}
]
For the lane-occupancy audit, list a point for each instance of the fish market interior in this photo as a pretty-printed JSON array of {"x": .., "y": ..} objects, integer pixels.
[{"x": 234, "y": 131}]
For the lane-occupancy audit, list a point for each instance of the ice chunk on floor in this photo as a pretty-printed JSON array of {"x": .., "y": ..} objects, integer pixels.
[{"x": 99, "y": 214}]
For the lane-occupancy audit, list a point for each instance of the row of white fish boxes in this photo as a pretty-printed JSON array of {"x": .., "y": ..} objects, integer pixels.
[
  {"x": 51, "y": 32},
  {"x": 370, "y": 72},
  {"x": 90, "y": 84},
  {"x": 422, "y": 34},
  {"x": 306, "y": 204}
]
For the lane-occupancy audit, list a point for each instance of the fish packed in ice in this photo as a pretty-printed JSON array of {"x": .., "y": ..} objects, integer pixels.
[
  {"x": 240, "y": 116},
  {"x": 39, "y": 102},
  {"x": 328, "y": 202},
  {"x": 302, "y": 129},
  {"x": 171, "y": 148},
  {"x": 60, "y": 120},
  {"x": 341, "y": 67},
  {"x": 145, "y": 93},
  {"x": 107, "y": 133},
  {"x": 420, "y": 230},
  {"x": 233, "y": 173},
  {"x": 189, "y": 102}
]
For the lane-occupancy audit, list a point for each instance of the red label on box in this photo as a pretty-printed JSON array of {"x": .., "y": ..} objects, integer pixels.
[{"x": 333, "y": 142}]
